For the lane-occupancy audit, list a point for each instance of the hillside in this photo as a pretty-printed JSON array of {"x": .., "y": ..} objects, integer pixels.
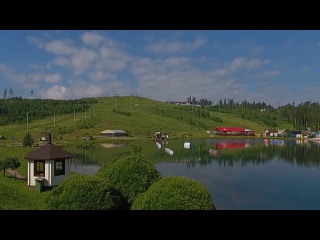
[{"x": 139, "y": 116}]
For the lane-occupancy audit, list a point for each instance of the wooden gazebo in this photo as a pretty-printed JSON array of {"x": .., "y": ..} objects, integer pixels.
[{"x": 49, "y": 163}]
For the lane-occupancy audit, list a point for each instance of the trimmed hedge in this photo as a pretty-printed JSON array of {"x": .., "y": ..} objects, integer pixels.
[
  {"x": 175, "y": 193},
  {"x": 131, "y": 175},
  {"x": 83, "y": 192}
]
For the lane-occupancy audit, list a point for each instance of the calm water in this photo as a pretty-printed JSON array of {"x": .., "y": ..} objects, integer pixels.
[{"x": 245, "y": 175}]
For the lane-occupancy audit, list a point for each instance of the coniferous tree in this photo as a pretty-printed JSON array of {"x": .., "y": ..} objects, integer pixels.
[{"x": 28, "y": 140}]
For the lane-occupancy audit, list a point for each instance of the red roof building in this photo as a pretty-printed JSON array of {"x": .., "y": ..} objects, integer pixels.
[{"x": 234, "y": 131}]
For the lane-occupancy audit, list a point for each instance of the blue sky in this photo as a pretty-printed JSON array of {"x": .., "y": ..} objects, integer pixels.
[{"x": 274, "y": 66}]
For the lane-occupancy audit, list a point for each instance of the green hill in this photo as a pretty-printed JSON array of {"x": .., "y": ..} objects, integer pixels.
[{"x": 139, "y": 116}]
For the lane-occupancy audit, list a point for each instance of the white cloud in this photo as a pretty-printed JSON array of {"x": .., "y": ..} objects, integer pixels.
[
  {"x": 101, "y": 76},
  {"x": 198, "y": 43},
  {"x": 176, "y": 61},
  {"x": 55, "y": 92},
  {"x": 176, "y": 78},
  {"x": 112, "y": 59},
  {"x": 82, "y": 59},
  {"x": 92, "y": 39},
  {"x": 164, "y": 47},
  {"x": 53, "y": 78},
  {"x": 62, "y": 62},
  {"x": 11, "y": 74},
  {"x": 79, "y": 89},
  {"x": 268, "y": 74},
  {"x": 59, "y": 47},
  {"x": 243, "y": 63},
  {"x": 49, "y": 78},
  {"x": 36, "y": 41}
]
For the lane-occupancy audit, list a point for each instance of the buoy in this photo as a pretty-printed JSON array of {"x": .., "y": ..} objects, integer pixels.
[
  {"x": 169, "y": 151},
  {"x": 158, "y": 145},
  {"x": 186, "y": 145}
]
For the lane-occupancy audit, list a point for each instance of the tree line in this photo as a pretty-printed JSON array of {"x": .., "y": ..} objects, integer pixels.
[
  {"x": 15, "y": 110},
  {"x": 303, "y": 116}
]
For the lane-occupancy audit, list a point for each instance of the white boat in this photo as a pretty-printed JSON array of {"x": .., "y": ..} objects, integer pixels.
[{"x": 169, "y": 151}]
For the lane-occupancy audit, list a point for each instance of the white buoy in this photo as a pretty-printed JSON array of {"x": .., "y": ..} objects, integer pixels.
[
  {"x": 158, "y": 145},
  {"x": 169, "y": 151},
  {"x": 186, "y": 145}
]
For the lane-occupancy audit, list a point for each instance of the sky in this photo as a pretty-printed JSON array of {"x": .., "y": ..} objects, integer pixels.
[{"x": 272, "y": 66}]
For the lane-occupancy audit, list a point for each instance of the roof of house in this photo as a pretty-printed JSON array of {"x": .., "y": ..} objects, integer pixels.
[{"x": 48, "y": 152}]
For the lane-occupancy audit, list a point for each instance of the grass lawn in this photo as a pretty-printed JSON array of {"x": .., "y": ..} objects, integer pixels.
[{"x": 16, "y": 195}]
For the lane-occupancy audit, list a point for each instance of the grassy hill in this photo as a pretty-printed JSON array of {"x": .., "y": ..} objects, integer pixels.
[{"x": 139, "y": 116}]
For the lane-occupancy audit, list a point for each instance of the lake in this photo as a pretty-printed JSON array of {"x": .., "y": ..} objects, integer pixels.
[{"x": 240, "y": 174}]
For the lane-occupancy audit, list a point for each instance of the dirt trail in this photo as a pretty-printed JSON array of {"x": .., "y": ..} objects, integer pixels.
[{"x": 18, "y": 176}]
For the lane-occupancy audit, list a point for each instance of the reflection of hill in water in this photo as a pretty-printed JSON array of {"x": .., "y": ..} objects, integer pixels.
[
  {"x": 251, "y": 152},
  {"x": 112, "y": 145},
  {"x": 296, "y": 152}
]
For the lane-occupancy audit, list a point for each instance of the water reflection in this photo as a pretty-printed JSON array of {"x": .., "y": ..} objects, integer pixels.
[
  {"x": 204, "y": 152},
  {"x": 246, "y": 174}
]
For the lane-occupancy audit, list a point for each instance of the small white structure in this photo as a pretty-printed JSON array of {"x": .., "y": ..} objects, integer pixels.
[
  {"x": 49, "y": 163},
  {"x": 186, "y": 145},
  {"x": 158, "y": 145},
  {"x": 169, "y": 151}
]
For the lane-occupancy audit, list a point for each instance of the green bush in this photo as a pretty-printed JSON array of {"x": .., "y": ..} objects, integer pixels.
[
  {"x": 27, "y": 140},
  {"x": 131, "y": 175},
  {"x": 84, "y": 192},
  {"x": 175, "y": 193}
]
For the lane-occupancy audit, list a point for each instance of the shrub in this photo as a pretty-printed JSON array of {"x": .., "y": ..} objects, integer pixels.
[
  {"x": 131, "y": 175},
  {"x": 175, "y": 193},
  {"x": 83, "y": 192},
  {"x": 27, "y": 140}
]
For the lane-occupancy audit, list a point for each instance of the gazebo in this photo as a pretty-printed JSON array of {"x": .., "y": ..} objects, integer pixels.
[{"x": 49, "y": 164}]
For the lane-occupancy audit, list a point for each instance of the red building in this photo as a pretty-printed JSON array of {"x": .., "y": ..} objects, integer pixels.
[{"x": 233, "y": 131}]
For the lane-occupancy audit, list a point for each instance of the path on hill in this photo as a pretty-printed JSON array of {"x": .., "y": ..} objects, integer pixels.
[{"x": 16, "y": 174}]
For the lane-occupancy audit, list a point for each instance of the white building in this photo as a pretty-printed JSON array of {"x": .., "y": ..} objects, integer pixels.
[{"x": 49, "y": 163}]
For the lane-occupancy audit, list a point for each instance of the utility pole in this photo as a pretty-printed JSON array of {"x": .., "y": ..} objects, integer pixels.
[
  {"x": 130, "y": 104},
  {"x": 74, "y": 116},
  {"x": 27, "y": 122},
  {"x": 219, "y": 111},
  {"x": 200, "y": 118}
]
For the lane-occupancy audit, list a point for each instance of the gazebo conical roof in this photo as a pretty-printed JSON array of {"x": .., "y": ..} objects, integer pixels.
[{"x": 48, "y": 152}]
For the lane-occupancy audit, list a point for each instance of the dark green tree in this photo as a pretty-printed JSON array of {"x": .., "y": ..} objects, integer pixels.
[
  {"x": 5, "y": 94},
  {"x": 175, "y": 193},
  {"x": 85, "y": 192},
  {"x": 28, "y": 140},
  {"x": 11, "y": 92},
  {"x": 131, "y": 174}
]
